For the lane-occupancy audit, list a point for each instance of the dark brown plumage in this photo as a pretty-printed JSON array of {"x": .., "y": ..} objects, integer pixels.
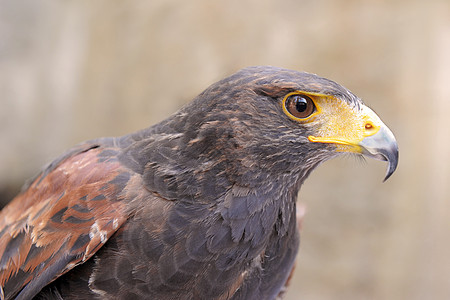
[{"x": 199, "y": 206}]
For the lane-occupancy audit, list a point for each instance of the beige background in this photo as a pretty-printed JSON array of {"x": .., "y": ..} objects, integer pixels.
[{"x": 76, "y": 70}]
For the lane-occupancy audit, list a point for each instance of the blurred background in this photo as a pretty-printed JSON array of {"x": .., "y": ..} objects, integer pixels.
[{"x": 77, "y": 70}]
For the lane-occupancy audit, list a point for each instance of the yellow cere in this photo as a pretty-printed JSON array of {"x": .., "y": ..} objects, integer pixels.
[{"x": 339, "y": 123}]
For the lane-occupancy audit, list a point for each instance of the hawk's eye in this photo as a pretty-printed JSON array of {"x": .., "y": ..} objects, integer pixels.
[{"x": 299, "y": 106}]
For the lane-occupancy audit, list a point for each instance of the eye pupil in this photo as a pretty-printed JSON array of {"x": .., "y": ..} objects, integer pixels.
[{"x": 299, "y": 106}]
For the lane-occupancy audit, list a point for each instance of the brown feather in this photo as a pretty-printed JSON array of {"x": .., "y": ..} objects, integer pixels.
[{"x": 71, "y": 211}]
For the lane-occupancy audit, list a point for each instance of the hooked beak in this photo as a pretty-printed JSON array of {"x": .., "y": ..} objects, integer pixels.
[
  {"x": 382, "y": 146},
  {"x": 359, "y": 132}
]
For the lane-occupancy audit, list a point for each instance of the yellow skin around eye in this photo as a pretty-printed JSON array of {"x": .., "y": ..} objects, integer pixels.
[
  {"x": 336, "y": 122},
  {"x": 300, "y": 120}
]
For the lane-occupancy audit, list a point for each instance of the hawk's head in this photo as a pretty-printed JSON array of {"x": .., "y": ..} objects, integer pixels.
[{"x": 279, "y": 117}]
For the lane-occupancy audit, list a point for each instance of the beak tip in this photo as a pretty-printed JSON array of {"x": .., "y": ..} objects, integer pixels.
[
  {"x": 392, "y": 158},
  {"x": 388, "y": 174}
]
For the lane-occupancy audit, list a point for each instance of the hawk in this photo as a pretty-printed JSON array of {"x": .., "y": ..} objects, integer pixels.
[{"x": 199, "y": 206}]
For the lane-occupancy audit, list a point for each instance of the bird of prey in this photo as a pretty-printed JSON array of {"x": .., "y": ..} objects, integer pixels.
[{"x": 199, "y": 206}]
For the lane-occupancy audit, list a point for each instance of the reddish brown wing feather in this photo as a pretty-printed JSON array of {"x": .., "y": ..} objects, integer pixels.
[{"x": 60, "y": 221}]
